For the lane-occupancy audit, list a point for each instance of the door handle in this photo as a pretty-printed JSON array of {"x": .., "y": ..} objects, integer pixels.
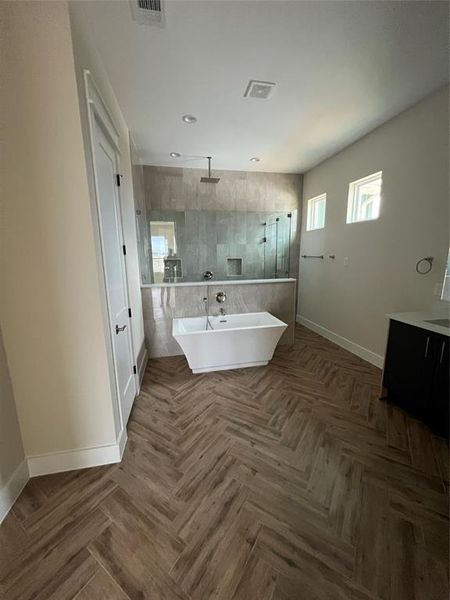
[
  {"x": 442, "y": 352},
  {"x": 426, "y": 346},
  {"x": 119, "y": 329}
]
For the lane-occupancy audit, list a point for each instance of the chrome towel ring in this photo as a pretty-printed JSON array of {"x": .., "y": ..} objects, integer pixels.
[{"x": 424, "y": 269}]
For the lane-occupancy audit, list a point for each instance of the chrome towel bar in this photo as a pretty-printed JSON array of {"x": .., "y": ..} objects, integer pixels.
[{"x": 311, "y": 256}]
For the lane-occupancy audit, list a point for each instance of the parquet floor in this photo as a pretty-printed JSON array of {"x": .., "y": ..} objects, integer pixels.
[{"x": 289, "y": 482}]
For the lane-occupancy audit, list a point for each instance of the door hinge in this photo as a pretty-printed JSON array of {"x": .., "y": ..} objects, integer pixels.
[
  {"x": 124, "y": 249},
  {"x": 129, "y": 312},
  {"x": 134, "y": 369},
  {"x": 118, "y": 177}
]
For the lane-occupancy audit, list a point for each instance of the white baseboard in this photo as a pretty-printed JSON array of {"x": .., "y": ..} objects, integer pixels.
[
  {"x": 11, "y": 490},
  {"x": 142, "y": 367},
  {"x": 58, "y": 462},
  {"x": 364, "y": 353}
]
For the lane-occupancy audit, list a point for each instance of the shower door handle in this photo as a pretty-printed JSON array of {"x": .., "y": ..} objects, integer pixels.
[{"x": 119, "y": 329}]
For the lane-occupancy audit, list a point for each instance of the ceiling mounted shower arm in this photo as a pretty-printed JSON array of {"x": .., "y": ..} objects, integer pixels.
[{"x": 209, "y": 179}]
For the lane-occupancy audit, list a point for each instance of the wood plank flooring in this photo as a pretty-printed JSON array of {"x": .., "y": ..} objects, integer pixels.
[{"x": 288, "y": 482}]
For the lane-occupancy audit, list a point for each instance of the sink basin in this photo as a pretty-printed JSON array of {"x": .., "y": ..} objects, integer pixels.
[{"x": 441, "y": 322}]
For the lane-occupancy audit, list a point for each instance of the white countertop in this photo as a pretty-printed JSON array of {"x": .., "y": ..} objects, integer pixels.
[
  {"x": 419, "y": 319},
  {"x": 221, "y": 282}
]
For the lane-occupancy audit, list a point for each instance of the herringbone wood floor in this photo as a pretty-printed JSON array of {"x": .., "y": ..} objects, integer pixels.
[{"x": 289, "y": 482}]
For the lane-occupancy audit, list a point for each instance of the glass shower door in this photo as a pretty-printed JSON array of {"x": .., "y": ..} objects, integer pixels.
[
  {"x": 270, "y": 247},
  {"x": 283, "y": 245},
  {"x": 277, "y": 246}
]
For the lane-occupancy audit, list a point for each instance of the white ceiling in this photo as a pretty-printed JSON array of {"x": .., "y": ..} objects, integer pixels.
[{"x": 341, "y": 69}]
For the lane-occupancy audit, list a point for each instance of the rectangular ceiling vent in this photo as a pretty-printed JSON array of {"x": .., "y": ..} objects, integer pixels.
[
  {"x": 259, "y": 89},
  {"x": 148, "y": 12}
]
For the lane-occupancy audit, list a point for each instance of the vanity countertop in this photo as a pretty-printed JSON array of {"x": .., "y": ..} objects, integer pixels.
[{"x": 421, "y": 319}]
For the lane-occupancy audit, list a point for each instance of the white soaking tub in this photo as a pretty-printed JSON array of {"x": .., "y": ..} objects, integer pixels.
[{"x": 229, "y": 342}]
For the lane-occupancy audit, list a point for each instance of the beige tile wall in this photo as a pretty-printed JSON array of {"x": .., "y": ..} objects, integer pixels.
[
  {"x": 162, "y": 304},
  {"x": 171, "y": 188}
]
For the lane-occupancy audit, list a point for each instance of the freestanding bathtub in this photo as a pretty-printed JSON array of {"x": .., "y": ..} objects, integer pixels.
[{"x": 228, "y": 342}]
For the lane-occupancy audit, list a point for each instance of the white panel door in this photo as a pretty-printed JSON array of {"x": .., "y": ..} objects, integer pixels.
[{"x": 106, "y": 163}]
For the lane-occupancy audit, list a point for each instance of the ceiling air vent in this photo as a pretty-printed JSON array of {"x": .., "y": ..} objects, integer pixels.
[
  {"x": 259, "y": 89},
  {"x": 148, "y": 12}
]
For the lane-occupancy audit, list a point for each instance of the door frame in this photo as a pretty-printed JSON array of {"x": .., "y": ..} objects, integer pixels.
[{"x": 97, "y": 111}]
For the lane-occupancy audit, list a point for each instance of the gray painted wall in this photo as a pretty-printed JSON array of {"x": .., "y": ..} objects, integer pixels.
[{"x": 351, "y": 301}]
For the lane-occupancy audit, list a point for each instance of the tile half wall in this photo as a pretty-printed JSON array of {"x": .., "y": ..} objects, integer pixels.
[{"x": 162, "y": 304}]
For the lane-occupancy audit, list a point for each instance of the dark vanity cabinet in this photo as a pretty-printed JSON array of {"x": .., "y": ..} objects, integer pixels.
[{"x": 416, "y": 374}]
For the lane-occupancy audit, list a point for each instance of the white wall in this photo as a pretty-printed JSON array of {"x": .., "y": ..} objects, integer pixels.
[
  {"x": 412, "y": 151},
  {"x": 50, "y": 299},
  {"x": 87, "y": 57}
]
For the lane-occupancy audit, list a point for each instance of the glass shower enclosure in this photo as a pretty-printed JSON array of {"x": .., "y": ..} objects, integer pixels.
[
  {"x": 181, "y": 245},
  {"x": 277, "y": 246}
]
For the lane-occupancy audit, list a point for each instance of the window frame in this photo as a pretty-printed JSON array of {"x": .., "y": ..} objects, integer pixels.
[
  {"x": 312, "y": 202},
  {"x": 353, "y": 199}
]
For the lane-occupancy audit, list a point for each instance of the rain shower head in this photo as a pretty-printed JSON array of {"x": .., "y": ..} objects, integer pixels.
[{"x": 209, "y": 179}]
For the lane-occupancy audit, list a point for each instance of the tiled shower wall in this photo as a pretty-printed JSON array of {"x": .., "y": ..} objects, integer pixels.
[
  {"x": 234, "y": 209},
  {"x": 180, "y": 189},
  {"x": 207, "y": 239},
  {"x": 238, "y": 192},
  {"x": 162, "y": 304}
]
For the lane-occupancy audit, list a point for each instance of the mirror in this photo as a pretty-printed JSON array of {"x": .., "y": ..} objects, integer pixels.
[{"x": 445, "y": 294}]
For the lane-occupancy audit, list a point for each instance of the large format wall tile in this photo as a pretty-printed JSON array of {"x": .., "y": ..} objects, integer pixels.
[
  {"x": 229, "y": 213},
  {"x": 206, "y": 239},
  {"x": 162, "y": 304},
  {"x": 180, "y": 189},
  {"x": 215, "y": 223}
]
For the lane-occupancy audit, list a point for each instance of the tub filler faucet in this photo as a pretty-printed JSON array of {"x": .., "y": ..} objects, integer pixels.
[
  {"x": 221, "y": 297},
  {"x": 208, "y": 323}
]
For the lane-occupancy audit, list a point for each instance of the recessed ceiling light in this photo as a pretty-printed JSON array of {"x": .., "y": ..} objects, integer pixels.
[
  {"x": 189, "y": 119},
  {"x": 255, "y": 159},
  {"x": 175, "y": 154}
]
